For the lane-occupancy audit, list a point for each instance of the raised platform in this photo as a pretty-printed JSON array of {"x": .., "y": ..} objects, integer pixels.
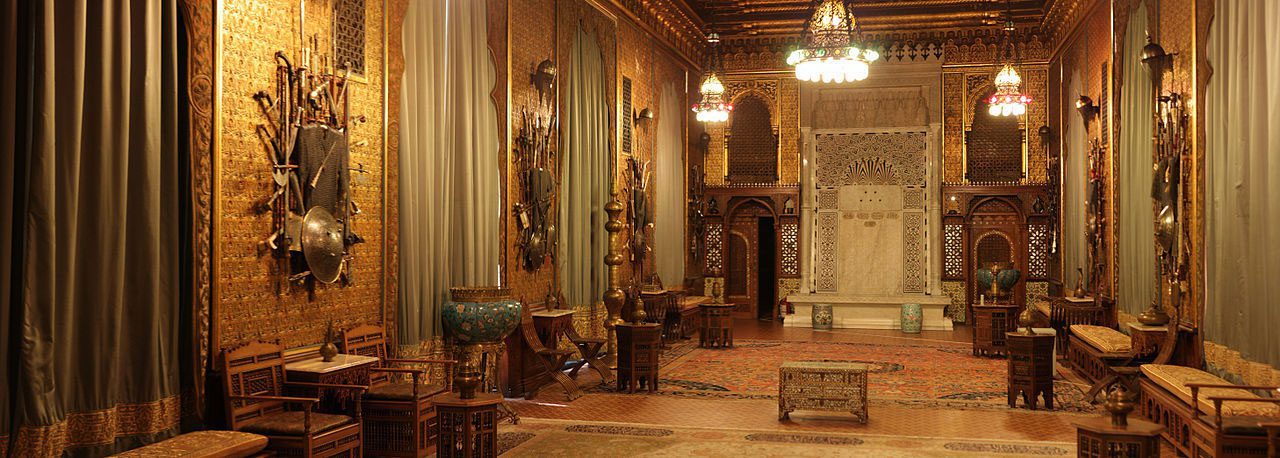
[{"x": 869, "y": 312}]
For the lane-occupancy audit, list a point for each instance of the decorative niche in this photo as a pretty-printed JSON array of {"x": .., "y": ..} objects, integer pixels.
[
  {"x": 752, "y": 142},
  {"x": 995, "y": 146}
]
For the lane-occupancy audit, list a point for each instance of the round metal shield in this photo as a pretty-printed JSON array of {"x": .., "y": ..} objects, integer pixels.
[{"x": 322, "y": 244}]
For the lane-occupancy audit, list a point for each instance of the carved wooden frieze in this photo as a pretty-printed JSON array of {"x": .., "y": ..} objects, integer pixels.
[{"x": 888, "y": 158}]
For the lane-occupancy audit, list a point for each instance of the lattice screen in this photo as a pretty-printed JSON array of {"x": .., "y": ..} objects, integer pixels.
[
  {"x": 348, "y": 34},
  {"x": 715, "y": 248},
  {"x": 790, "y": 248},
  {"x": 993, "y": 147},
  {"x": 753, "y": 147},
  {"x": 953, "y": 251},
  {"x": 1038, "y": 250}
]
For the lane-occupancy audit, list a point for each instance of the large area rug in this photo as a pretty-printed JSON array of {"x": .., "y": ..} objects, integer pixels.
[
  {"x": 922, "y": 374},
  {"x": 538, "y": 437}
]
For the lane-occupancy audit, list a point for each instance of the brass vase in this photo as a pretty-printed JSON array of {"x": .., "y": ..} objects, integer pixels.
[
  {"x": 327, "y": 349},
  {"x": 1080, "y": 293}
]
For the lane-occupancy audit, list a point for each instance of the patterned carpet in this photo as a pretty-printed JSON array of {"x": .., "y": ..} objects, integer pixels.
[
  {"x": 537, "y": 437},
  {"x": 918, "y": 374}
]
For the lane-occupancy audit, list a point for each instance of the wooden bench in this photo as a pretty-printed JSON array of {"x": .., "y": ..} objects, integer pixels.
[
  {"x": 204, "y": 444},
  {"x": 689, "y": 315},
  {"x": 1092, "y": 350},
  {"x": 1203, "y": 414}
]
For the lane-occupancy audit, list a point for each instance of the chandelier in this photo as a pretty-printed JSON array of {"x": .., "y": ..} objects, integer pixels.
[
  {"x": 830, "y": 51},
  {"x": 712, "y": 107},
  {"x": 1009, "y": 100}
]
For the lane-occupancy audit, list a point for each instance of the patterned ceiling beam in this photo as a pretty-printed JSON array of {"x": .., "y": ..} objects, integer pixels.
[
  {"x": 746, "y": 53},
  {"x": 1062, "y": 17},
  {"x": 673, "y": 22}
]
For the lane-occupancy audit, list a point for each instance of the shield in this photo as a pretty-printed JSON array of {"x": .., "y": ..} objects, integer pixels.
[{"x": 322, "y": 244}]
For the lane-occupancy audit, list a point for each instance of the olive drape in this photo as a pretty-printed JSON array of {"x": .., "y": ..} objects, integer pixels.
[
  {"x": 449, "y": 182},
  {"x": 1135, "y": 233},
  {"x": 90, "y": 318},
  {"x": 1242, "y": 192},
  {"x": 1075, "y": 179},
  {"x": 669, "y": 242},
  {"x": 586, "y": 175}
]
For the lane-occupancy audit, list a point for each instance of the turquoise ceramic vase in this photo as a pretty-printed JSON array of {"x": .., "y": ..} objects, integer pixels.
[
  {"x": 474, "y": 316},
  {"x": 912, "y": 318}
]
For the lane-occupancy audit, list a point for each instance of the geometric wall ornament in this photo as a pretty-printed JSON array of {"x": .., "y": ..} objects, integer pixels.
[
  {"x": 1036, "y": 291},
  {"x": 913, "y": 268},
  {"x": 348, "y": 34},
  {"x": 790, "y": 249},
  {"x": 957, "y": 311},
  {"x": 715, "y": 251},
  {"x": 912, "y": 198},
  {"x": 876, "y": 158},
  {"x": 828, "y": 245},
  {"x": 953, "y": 251},
  {"x": 1038, "y": 250},
  {"x": 828, "y": 199}
]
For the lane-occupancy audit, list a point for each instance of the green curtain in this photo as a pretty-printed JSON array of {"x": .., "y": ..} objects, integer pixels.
[
  {"x": 669, "y": 231},
  {"x": 1242, "y": 227},
  {"x": 586, "y": 176},
  {"x": 93, "y": 326},
  {"x": 1075, "y": 179},
  {"x": 1135, "y": 239}
]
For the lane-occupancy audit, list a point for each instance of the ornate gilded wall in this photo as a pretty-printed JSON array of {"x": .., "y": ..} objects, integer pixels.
[
  {"x": 961, "y": 88},
  {"x": 245, "y": 299},
  {"x": 781, "y": 92}
]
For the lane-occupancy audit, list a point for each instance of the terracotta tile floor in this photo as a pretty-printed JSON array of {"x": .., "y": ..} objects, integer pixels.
[{"x": 1013, "y": 424}]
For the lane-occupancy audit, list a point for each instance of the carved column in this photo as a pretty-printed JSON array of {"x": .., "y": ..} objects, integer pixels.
[{"x": 614, "y": 297}]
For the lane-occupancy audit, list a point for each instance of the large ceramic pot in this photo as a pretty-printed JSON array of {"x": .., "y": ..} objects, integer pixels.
[
  {"x": 822, "y": 317},
  {"x": 912, "y": 318},
  {"x": 474, "y": 316}
]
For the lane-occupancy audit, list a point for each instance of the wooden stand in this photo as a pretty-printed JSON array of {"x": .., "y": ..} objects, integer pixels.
[
  {"x": 638, "y": 346},
  {"x": 468, "y": 427},
  {"x": 1030, "y": 368},
  {"x": 1097, "y": 438},
  {"x": 717, "y": 326},
  {"x": 990, "y": 323},
  {"x": 343, "y": 370}
]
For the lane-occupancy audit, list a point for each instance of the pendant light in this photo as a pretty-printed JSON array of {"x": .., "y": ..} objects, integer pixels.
[
  {"x": 1009, "y": 100},
  {"x": 712, "y": 107},
  {"x": 831, "y": 49}
]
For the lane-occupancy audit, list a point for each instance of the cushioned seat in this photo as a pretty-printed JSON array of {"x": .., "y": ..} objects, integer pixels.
[
  {"x": 1104, "y": 339},
  {"x": 1174, "y": 379},
  {"x": 401, "y": 391},
  {"x": 203, "y": 444},
  {"x": 292, "y": 423},
  {"x": 1241, "y": 425}
]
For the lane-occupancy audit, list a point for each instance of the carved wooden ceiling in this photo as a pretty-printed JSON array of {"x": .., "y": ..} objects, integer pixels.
[{"x": 787, "y": 17}]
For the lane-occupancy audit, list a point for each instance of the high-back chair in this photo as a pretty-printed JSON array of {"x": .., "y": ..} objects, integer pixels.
[
  {"x": 254, "y": 380},
  {"x": 399, "y": 417}
]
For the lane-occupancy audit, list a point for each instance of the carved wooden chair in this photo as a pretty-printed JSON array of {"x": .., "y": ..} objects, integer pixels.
[
  {"x": 550, "y": 360},
  {"x": 255, "y": 381},
  {"x": 399, "y": 418}
]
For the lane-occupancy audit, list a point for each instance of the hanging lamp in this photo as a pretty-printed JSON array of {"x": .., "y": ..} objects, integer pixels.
[
  {"x": 831, "y": 50},
  {"x": 1009, "y": 100},
  {"x": 712, "y": 107}
]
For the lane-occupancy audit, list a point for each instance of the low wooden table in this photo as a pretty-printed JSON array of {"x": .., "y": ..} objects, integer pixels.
[
  {"x": 343, "y": 370},
  {"x": 990, "y": 323},
  {"x": 1030, "y": 368},
  {"x": 717, "y": 326},
  {"x": 828, "y": 386},
  {"x": 1146, "y": 339},
  {"x": 638, "y": 347},
  {"x": 468, "y": 427},
  {"x": 1097, "y": 438}
]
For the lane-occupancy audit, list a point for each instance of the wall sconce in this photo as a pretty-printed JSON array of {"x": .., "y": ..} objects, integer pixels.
[
  {"x": 642, "y": 115},
  {"x": 1088, "y": 110}
]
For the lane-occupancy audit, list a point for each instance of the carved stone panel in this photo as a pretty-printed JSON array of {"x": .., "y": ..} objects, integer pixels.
[
  {"x": 889, "y": 158},
  {"x": 828, "y": 246},
  {"x": 913, "y": 252}
]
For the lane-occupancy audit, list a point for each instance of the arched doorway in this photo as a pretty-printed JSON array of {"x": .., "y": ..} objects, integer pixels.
[{"x": 751, "y": 255}]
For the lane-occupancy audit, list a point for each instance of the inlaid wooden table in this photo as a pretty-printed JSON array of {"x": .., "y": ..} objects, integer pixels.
[
  {"x": 822, "y": 385},
  {"x": 1030, "y": 368},
  {"x": 468, "y": 427},
  {"x": 343, "y": 370},
  {"x": 1097, "y": 438},
  {"x": 717, "y": 326},
  {"x": 1146, "y": 339},
  {"x": 990, "y": 323},
  {"x": 638, "y": 347}
]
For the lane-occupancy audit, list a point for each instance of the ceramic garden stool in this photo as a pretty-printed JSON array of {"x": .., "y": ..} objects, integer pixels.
[
  {"x": 912, "y": 318},
  {"x": 822, "y": 317}
]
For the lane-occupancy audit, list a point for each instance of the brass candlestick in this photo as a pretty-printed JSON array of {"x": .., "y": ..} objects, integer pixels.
[{"x": 614, "y": 297}]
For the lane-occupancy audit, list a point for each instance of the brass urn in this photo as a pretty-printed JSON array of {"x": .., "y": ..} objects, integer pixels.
[{"x": 1119, "y": 403}]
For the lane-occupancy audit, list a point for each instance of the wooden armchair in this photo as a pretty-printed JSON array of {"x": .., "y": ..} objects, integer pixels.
[
  {"x": 1243, "y": 432},
  {"x": 255, "y": 381},
  {"x": 399, "y": 418}
]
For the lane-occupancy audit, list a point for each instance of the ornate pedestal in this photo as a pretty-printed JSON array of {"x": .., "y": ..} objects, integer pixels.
[
  {"x": 1098, "y": 438},
  {"x": 638, "y": 347},
  {"x": 468, "y": 427},
  {"x": 1030, "y": 368},
  {"x": 829, "y": 386}
]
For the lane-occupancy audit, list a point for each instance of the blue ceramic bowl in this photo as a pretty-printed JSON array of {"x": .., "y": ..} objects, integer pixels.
[{"x": 481, "y": 315}]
